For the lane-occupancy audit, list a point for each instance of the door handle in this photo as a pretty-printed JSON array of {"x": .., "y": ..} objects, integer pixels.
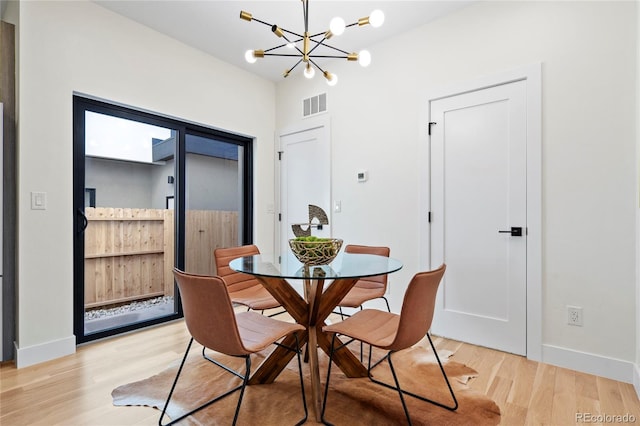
[
  {"x": 85, "y": 222},
  {"x": 516, "y": 231}
]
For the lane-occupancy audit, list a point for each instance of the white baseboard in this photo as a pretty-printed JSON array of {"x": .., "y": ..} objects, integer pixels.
[
  {"x": 611, "y": 368},
  {"x": 36, "y": 354},
  {"x": 636, "y": 378}
]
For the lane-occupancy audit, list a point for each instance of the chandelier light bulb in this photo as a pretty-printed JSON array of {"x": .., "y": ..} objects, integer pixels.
[
  {"x": 364, "y": 58},
  {"x": 376, "y": 18},
  {"x": 309, "y": 71},
  {"x": 332, "y": 79},
  {"x": 250, "y": 57},
  {"x": 337, "y": 26}
]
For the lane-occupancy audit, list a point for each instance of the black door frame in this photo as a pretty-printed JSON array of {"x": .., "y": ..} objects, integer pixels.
[{"x": 82, "y": 104}]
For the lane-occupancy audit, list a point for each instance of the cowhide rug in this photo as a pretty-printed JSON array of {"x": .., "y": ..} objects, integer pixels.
[{"x": 351, "y": 401}]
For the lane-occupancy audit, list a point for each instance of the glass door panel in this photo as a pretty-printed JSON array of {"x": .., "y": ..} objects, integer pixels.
[
  {"x": 215, "y": 193},
  {"x": 129, "y": 237}
]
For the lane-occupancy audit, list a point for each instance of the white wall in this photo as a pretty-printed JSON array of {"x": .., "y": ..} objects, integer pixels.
[
  {"x": 79, "y": 46},
  {"x": 587, "y": 51}
]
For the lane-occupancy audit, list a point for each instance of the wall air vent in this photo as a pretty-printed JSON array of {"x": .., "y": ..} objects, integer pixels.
[{"x": 314, "y": 105}]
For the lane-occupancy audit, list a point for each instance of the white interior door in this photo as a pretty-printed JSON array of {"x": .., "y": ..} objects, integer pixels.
[
  {"x": 305, "y": 179},
  {"x": 478, "y": 193}
]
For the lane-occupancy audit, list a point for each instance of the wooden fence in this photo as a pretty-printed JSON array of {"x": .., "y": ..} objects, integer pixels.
[
  {"x": 129, "y": 253},
  {"x": 207, "y": 230}
]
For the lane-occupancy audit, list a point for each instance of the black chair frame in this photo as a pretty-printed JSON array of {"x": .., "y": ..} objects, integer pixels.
[
  {"x": 241, "y": 388},
  {"x": 401, "y": 392},
  {"x": 342, "y": 314},
  {"x": 270, "y": 316}
]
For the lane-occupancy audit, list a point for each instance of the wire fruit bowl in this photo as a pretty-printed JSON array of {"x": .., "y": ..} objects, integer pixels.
[{"x": 315, "y": 251}]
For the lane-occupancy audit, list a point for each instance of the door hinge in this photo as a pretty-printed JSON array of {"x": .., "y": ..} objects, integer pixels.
[
  {"x": 429, "y": 217},
  {"x": 280, "y": 155},
  {"x": 431, "y": 123},
  {"x": 279, "y": 217}
]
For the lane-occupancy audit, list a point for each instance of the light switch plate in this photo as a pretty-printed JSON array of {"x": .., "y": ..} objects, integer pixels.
[{"x": 38, "y": 201}]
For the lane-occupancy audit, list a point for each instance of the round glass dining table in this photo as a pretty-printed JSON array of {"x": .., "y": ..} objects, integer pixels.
[
  {"x": 312, "y": 308},
  {"x": 345, "y": 265}
]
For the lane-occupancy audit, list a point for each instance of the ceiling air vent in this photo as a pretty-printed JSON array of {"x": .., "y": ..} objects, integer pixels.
[{"x": 314, "y": 105}]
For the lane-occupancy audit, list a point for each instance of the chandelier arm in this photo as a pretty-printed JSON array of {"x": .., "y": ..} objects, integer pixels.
[
  {"x": 324, "y": 32},
  {"x": 327, "y": 56},
  {"x": 293, "y": 55},
  {"x": 262, "y": 22},
  {"x": 277, "y": 47},
  {"x": 329, "y": 46},
  {"x": 293, "y": 43},
  {"x": 319, "y": 34},
  {"x": 292, "y": 33},
  {"x": 289, "y": 42},
  {"x": 297, "y": 63},
  {"x": 316, "y": 65}
]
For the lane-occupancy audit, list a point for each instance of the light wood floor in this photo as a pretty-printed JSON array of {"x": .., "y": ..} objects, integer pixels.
[{"x": 76, "y": 390}]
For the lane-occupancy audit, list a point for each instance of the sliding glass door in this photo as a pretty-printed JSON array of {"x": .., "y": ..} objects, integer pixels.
[{"x": 150, "y": 193}]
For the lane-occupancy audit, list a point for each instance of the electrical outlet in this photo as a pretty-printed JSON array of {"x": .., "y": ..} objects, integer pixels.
[{"x": 574, "y": 315}]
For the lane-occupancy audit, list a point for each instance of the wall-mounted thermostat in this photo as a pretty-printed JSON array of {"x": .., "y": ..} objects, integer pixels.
[{"x": 363, "y": 175}]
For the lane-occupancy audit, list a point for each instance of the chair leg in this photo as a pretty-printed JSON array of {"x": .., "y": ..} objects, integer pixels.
[
  {"x": 304, "y": 398},
  {"x": 400, "y": 391},
  {"x": 404, "y": 392},
  {"x": 326, "y": 385},
  {"x": 247, "y": 364},
  {"x": 362, "y": 345},
  {"x": 206, "y": 404},
  {"x": 175, "y": 381},
  {"x": 446, "y": 379}
]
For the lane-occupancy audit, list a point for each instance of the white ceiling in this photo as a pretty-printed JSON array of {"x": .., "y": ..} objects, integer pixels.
[{"x": 215, "y": 26}]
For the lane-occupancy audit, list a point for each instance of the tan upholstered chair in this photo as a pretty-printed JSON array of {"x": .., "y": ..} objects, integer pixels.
[
  {"x": 393, "y": 332},
  {"x": 368, "y": 288},
  {"x": 212, "y": 322},
  {"x": 243, "y": 289}
]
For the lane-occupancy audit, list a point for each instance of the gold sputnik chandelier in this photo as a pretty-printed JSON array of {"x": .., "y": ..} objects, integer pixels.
[{"x": 306, "y": 46}]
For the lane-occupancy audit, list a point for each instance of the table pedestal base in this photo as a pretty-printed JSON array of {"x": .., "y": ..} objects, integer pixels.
[{"x": 311, "y": 313}]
